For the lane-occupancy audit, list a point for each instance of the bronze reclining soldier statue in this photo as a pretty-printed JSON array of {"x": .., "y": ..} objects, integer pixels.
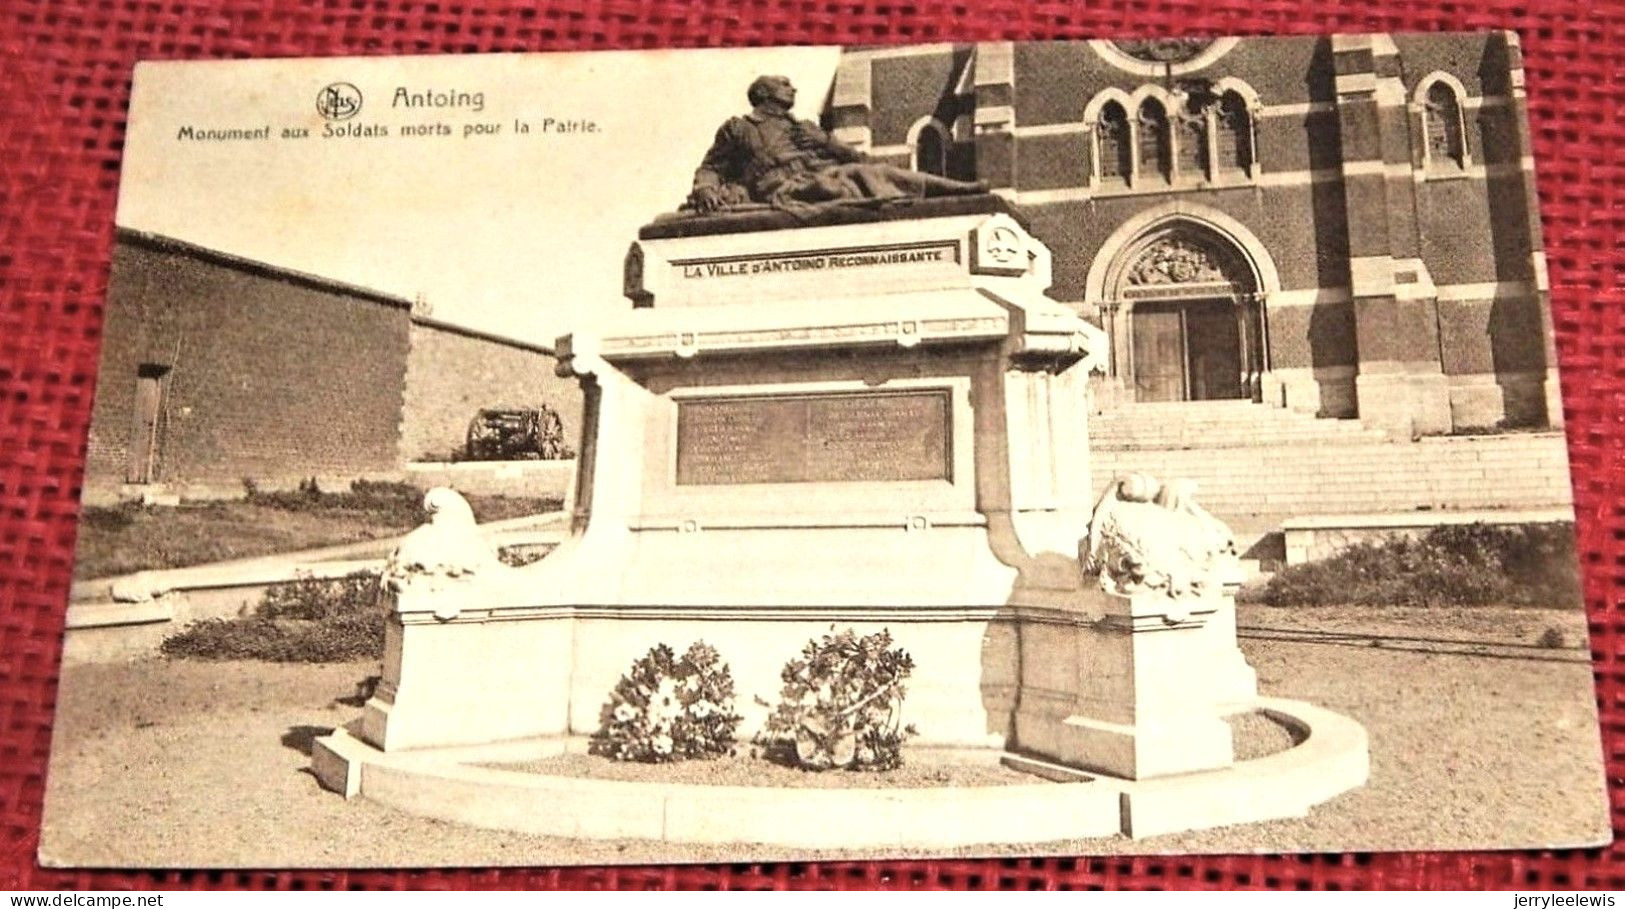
[{"x": 768, "y": 157}]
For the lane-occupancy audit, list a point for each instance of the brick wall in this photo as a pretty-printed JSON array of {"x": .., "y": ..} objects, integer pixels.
[
  {"x": 1478, "y": 59},
  {"x": 914, "y": 87},
  {"x": 265, "y": 374},
  {"x": 454, "y": 373},
  {"x": 1474, "y": 230},
  {"x": 1054, "y": 80},
  {"x": 1311, "y": 337},
  {"x": 107, "y": 452},
  {"x": 1300, "y": 226}
]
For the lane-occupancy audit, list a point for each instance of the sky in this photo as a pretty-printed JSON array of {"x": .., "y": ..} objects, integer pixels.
[{"x": 519, "y": 234}]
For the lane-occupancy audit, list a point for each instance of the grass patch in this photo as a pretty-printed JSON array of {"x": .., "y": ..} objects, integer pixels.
[
  {"x": 125, "y": 538},
  {"x": 1452, "y": 565},
  {"x": 307, "y": 621},
  {"x": 393, "y": 503}
]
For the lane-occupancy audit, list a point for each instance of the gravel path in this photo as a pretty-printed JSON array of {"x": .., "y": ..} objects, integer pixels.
[
  {"x": 1479, "y": 735},
  {"x": 1254, "y": 735},
  {"x": 743, "y": 770}
]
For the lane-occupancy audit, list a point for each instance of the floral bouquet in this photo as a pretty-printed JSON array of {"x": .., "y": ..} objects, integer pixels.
[
  {"x": 841, "y": 704},
  {"x": 669, "y": 709}
]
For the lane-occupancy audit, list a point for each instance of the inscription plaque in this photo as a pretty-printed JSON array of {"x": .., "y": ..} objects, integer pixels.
[{"x": 819, "y": 438}]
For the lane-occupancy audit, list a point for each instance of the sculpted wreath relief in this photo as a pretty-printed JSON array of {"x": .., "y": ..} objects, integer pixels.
[
  {"x": 447, "y": 547},
  {"x": 1150, "y": 536}
]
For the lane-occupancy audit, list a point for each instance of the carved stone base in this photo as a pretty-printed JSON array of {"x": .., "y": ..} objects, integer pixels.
[
  {"x": 1233, "y": 683},
  {"x": 469, "y": 681},
  {"x": 1137, "y": 752},
  {"x": 1404, "y": 404},
  {"x": 1139, "y": 692}
]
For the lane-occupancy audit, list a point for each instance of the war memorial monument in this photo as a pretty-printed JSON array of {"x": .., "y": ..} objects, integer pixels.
[{"x": 840, "y": 398}]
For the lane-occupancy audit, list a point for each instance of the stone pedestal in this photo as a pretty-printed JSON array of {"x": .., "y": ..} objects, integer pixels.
[
  {"x": 879, "y": 424},
  {"x": 481, "y": 676},
  {"x": 1136, "y": 687},
  {"x": 875, "y": 425},
  {"x": 1232, "y": 682},
  {"x": 1404, "y": 404}
]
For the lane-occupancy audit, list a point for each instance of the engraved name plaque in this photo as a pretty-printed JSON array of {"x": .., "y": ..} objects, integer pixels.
[
  {"x": 823, "y": 438},
  {"x": 930, "y": 252}
]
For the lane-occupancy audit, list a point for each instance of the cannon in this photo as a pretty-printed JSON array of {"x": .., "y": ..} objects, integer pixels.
[{"x": 517, "y": 435}]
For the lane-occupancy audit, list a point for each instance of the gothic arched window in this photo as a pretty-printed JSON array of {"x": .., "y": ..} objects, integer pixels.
[
  {"x": 1441, "y": 113},
  {"x": 1116, "y": 151},
  {"x": 1193, "y": 146},
  {"x": 1155, "y": 157},
  {"x": 931, "y": 149},
  {"x": 1235, "y": 127}
]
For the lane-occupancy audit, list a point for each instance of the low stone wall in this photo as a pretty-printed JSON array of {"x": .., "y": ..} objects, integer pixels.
[
  {"x": 1322, "y": 536},
  {"x": 510, "y": 478},
  {"x": 110, "y": 631},
  {"x": 128, "y": 617},
  {"x": 176, "y": 493}
]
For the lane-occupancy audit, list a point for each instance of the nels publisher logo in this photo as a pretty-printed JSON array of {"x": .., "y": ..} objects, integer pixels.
[{"x": 339, "y": 101}]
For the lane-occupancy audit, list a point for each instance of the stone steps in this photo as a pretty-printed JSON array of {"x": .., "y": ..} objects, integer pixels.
[
  {"x": 1252, "y": 460},
  {"x": 1217, "y": 424},
  {"x": 1235, "y": 439},
  {"x": 1484, "y": 472}
]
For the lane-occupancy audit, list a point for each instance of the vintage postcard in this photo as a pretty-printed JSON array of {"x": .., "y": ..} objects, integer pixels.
[{"x": 792, "y": 453}]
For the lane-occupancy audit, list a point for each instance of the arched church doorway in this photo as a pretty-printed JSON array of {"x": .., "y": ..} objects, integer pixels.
[{"x": 1188, "y": 321}]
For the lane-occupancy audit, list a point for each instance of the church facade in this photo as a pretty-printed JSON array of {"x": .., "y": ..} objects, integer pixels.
[{"x": 1343, "y": 226}]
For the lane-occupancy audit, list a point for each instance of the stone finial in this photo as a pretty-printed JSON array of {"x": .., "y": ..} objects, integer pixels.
[
  {"x": 446, "y": 547},
  {"x": 1151, "y": 536}
]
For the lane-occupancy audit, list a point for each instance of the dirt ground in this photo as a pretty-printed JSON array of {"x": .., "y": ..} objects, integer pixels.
[
  {"x": 1253, "y": 735},
  {"x": 1480, "y": 736},
  {"x": 745, "y": 769}
]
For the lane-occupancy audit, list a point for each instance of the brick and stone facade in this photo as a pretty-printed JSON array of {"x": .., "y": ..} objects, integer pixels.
[
  {"x": 217, "y": 369},
  {"x": 1342, "y": 226}
]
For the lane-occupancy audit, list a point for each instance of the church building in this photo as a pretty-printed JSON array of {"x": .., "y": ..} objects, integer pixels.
[{"x": 1342, "y": 227}]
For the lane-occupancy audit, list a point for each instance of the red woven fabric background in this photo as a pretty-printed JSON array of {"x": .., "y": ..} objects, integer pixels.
[{"x": 63, "y": 95}]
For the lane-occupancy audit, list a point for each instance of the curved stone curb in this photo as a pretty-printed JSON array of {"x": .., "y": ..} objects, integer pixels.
[
  {"x": 444, "y": 784},
  {"x": 1333, "y": 758}
]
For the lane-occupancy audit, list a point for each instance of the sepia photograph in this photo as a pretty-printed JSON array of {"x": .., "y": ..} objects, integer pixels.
[{"x": 986, "y": 449}]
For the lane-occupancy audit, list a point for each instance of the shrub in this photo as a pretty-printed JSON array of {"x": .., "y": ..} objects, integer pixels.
[
  {"x": 841, "y": 705},
  {"x": 668, "y": 709},
  {"x": 1498, "y": 428},
  {"x": 1452, "y": 565},
  {"x": 389, "y": 503},
  {"x": 109, "y": 518},
  {"x": 396, "y": 503},
  {"x": 518, "y": 556},
  {"x": 310, "y": 620}
]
